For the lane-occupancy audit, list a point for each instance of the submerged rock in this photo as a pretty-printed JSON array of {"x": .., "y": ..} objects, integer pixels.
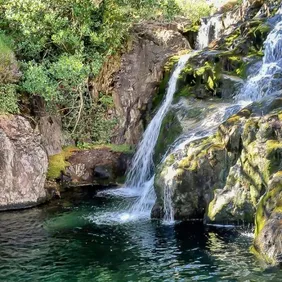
[{"x": 23, "y": 164}]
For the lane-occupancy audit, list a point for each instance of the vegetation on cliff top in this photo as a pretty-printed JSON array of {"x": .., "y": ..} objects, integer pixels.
[{"x": 61, "y": 46}]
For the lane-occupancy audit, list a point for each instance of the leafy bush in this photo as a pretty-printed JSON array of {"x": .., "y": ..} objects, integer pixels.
[
  {"x": 194, "y": 9},
  {"x": 9, "y": 72},
  {"x": 8, "y": 99},
  {"x": 37, "y": 81},
  {"x": 62, "y": 44}
]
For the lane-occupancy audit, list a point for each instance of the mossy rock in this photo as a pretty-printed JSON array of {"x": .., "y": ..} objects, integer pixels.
[
  {"x": 58, "y": 163},
  {"x": 268, "y": 230},
  {"x": 170, "y": 130},
  {"x": 198, "y": 81}
]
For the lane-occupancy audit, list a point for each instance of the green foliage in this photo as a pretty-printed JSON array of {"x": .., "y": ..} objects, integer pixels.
[
  {"x": 194, "y": 9},
  {"x": 38, "y": 82},
  {"x": 62, "y": 45},
  {"x": 95, "y": 123},
  {"x": 8, "y": 67},
  {"x": 8, "y": 99},
  {"x": 106, "y": 101}
]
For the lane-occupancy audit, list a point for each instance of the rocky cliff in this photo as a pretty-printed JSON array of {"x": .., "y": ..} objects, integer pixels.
[{"x": 134, "y": 77}]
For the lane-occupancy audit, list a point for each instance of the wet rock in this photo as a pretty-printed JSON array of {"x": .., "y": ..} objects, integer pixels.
[
  {"x": 103, "y": 172},
  {"x": 222, "y": 177},
  {"x": 230, "y": 85},
  {"x": 23, "y": 164}
]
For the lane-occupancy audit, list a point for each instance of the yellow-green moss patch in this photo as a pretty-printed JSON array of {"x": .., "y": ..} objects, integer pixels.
[{"x": 58, "y": 163}]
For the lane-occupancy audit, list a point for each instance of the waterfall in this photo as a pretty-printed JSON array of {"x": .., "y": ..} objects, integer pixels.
[
  {"x": 268, "y": 79},
  {"x": 210, "y": 30},
  {"x": 140, "y": 178},
  {"x": 265, "y": 82},
  {"x": 141, "y": 175}
]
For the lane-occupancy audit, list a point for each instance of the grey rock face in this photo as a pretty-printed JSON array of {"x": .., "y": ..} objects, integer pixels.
[
  {"x": 50, "y": 128},
  {"x": 135, "y": 80},
  {"x": 23, "y": 164}
]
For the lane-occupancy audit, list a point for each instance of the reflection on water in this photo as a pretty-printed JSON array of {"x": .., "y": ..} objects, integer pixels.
[{"x": 70, "y": 242}]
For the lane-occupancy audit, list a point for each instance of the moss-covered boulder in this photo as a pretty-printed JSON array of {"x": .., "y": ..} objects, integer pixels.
[
  {"x": 268, "y": 232},
  {"x": 190, "y": 178},
  {"x": 219, "y": 71},
  {"x": 170, "y": 130}
]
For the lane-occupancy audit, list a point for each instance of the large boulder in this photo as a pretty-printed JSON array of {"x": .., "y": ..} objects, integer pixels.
[
  {"x": 23, "y": 164},
  {"x": 98, "y": 167},
  {"x": 133, "y": 79}
]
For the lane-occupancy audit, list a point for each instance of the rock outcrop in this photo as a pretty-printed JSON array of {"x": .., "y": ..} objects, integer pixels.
[
  {"x": 134, "y": 80},
  {"x": 23, "y": 164},
  {"x": 222, "y": 177},
  {"x": 101, "y": 166},
  {"x": 50, "y": 128},
  {"x": 268, "y": 233},
  {"x": 98, "y": 167}
]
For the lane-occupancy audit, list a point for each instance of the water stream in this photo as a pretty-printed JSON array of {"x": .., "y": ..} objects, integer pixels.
[
  {"x": 210, "y": 29},
  {"x": 140, "y": 179},
  {"x": 268, "y": 78},
  {"x": 142, "y": 163}
]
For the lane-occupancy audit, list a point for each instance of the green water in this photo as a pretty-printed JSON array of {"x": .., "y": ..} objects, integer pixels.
[{"x": 69, "y": 241}]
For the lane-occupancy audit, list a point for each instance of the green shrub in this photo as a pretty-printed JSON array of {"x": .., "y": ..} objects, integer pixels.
[
  {"x": 9, "y": 72},
  {"x": 8, "y": 99},
  {"x": 37, "y": 81},
  {"x": 63, "y": 43},
  {"x": 194, "y": 9}
]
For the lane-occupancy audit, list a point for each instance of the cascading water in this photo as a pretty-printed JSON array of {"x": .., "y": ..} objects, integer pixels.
[
  {"x": 142, "y": 164},
  {"x": 141, "y": 175},
  {"x": 264, "y": 83},
  {"x": 269, "y": 77},
  {"x": 140, "y": 179},
  {"x": 210, "y": 29}
]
